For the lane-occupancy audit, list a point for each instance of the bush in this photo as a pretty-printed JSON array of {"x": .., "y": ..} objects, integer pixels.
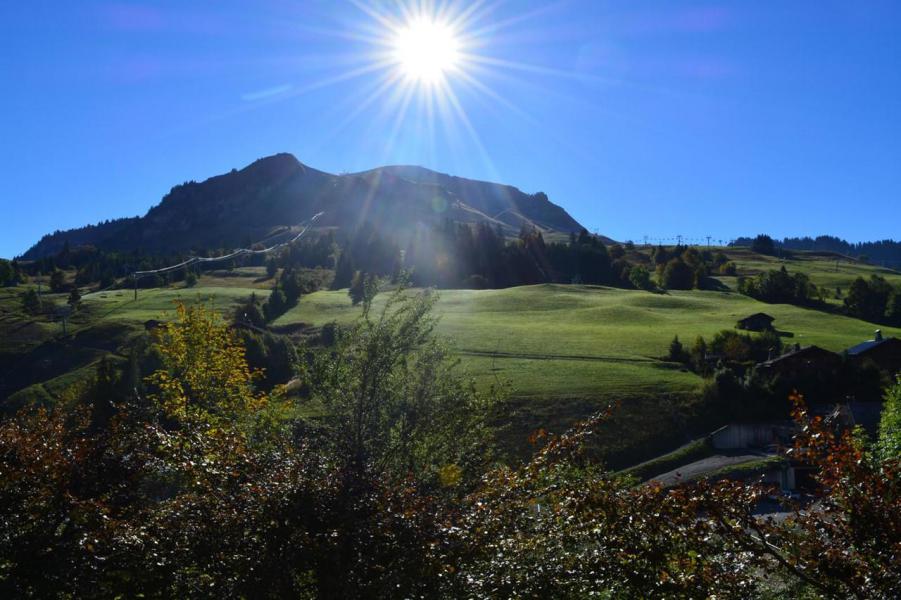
[
  {"x": 889, "y": 445},
  {"x": 728, "y": 268},
  {"x": 640, "y": 278}
]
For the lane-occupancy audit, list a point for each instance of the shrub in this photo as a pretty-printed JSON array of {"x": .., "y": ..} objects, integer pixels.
[{"x": 640, "y": 278}]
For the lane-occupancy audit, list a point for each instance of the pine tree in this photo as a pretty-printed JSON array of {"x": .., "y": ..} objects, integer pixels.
[
  {"x": 74, "y": 299},
  {"x": 31, "y": 302}
]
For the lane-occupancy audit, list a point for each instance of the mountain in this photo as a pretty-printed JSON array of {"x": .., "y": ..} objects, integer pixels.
[{"x": 251, "y": 204}]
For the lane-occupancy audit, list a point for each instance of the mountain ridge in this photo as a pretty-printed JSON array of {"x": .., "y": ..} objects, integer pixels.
[{"x": 243, "y": 206}]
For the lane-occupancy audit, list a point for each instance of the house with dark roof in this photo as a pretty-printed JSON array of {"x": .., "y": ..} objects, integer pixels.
[
  {"x": 756, "y": 322},
  {"x": 801, "y": 362},
  {"x": 885, "y": 352}
]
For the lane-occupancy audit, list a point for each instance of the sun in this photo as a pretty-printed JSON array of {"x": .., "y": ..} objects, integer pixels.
[{"x": 426, "y": 50}]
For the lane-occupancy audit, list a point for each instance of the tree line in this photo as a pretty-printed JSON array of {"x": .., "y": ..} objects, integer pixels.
[{"x": 883, "y": 251}]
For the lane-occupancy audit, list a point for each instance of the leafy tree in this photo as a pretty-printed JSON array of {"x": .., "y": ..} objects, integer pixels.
[
  {"x": 868, "y": 299},
  {"x": 190, "y": 279},
  {"x": 640, "y": 278},
  {"x": 893, "y": 307},
  {"x": 728, "y": 268},
  {"x": 779, "y": 287},
  {"x": 395, "y": 401},
  {"x": 204, "y": 377},
  {"x": 678, "y": 275},
  {"x": 889, "y": 444}
]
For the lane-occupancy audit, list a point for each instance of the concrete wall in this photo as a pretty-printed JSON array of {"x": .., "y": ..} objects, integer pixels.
[
  {"x": 733, "y": 437},
  {"x": 784, "y": 477}
]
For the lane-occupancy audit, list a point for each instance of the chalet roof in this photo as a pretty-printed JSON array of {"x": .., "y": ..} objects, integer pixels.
[
  {"x": 759, "y": 315},
  {"x": 870, "y": 344},
  {"x": 807, "y": 350}
]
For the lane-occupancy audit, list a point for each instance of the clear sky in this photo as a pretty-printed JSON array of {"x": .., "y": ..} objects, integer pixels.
[{"x": 640, "y": 117}]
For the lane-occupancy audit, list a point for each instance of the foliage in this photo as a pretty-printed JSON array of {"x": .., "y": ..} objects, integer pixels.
[
  {"x": 893, "y": 308},
  {"x": 10, "y": 274},
  {"x": 678, "y": 275},
  {"x": 779, "y": 287},
  {"x": 889, "y": 445},
  {"x": 363, "y": 288},
  {"x": 204, "y": 376},
  {"x": 641, "y": 278},
  {"x": 870, "y": 299},
  {"x": 393, "y": 399}
]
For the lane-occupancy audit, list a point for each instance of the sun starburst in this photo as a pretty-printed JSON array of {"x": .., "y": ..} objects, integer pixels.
[{"x": 426, "y": 50}]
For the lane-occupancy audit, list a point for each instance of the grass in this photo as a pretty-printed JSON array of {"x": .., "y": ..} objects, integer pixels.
[
  {"x": 584, "y": 341},
  {"x": 119, "y": 305},
  {"x": 829, "y": 271},
  {"x": 566, "y": 351},
  {"x": 689, "y": 453},
  {"x": 749, "y": 469}
]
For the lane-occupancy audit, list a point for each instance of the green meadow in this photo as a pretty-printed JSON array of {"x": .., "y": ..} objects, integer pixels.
[
  {"x": 577, "y": 341},
  {"x": 562, "y": 352}
]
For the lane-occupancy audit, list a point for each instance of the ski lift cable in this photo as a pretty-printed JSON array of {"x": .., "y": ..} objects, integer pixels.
[{"x": 240, "y": 252}]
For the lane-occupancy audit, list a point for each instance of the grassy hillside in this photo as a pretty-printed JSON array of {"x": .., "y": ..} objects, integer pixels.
[
  {"x": 565, "y": 351},
  {"x": 826, "y": 270},
  {"x": 570, "y": 341}
]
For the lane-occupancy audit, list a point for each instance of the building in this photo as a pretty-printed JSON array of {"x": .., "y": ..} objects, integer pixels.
[
  {"x": 799, "y": 362},
  {"x": 756, "y": 322},
  {"x": 762, "y": 436},
  {"x": 885, "y": 352}
]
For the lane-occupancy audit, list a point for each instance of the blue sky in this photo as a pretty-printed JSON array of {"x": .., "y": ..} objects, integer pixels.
[{"x": 641, "y": 118}]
